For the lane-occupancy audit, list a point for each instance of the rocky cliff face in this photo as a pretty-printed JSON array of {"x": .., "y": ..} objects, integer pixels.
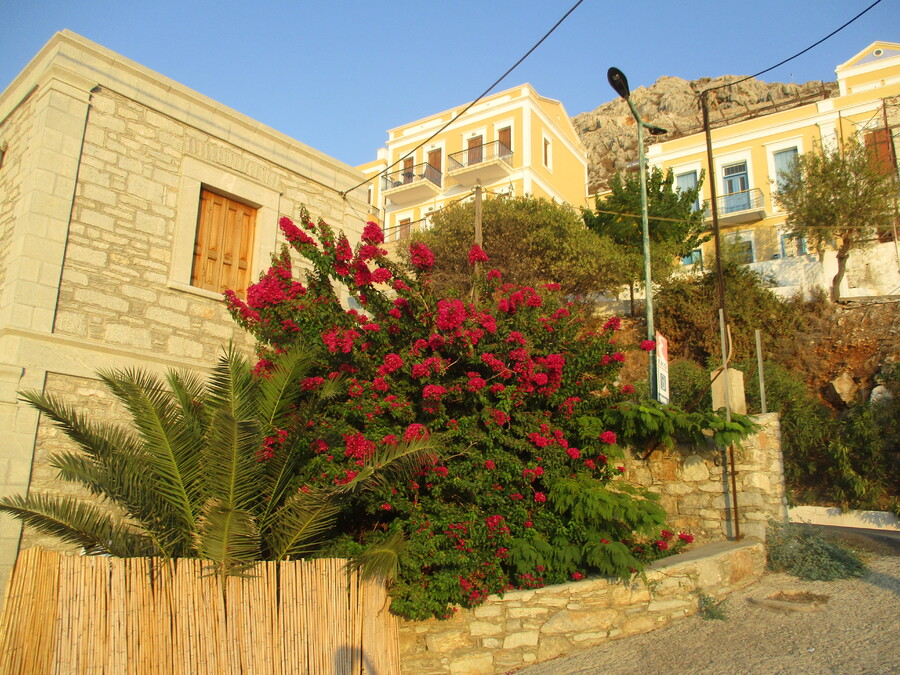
[{"x": 609, "y": 131}]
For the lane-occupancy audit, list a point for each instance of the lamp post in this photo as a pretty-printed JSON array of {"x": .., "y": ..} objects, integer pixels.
[{"x": 619, "y": 83}]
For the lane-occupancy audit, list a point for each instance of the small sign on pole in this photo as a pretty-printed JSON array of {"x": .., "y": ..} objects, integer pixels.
[{"x": 662, "y": 369}]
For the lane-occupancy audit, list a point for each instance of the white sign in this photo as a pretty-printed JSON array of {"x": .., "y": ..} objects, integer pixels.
[{"x": 662, "y": 369}]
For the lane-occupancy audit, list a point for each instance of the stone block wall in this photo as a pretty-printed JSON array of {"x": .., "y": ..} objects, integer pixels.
[
  {"x": 694, "y": 484},
  {"x": 99, "y": 194},
  {"x": 89, "y": 397},
  {"x": 526, "y": 627},
  {"x": 119, "y": 259}
]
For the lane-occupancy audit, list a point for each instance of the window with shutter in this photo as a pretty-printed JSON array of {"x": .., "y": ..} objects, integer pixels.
[
  {"x": 225, "y": 231},
  {"x": 878, "y": 143},
  {"x": 784, "y": 162}
]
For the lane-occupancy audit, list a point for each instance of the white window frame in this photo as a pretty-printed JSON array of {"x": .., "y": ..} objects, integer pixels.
[
  {"x": 442, "y": 146},
  {"x": 728, "y": 160},
  {"x": 783, "y": 233},
  {"x": 196, "y": 175},
  {"x": 547, "y": 142},
  {"x": 503, "y": 124},
  {"x": 742, "y": 235},
  {"x": 395, "y": 220},
  {"x": 771, "y": 149},
  {"x": 695, "y": 168}
]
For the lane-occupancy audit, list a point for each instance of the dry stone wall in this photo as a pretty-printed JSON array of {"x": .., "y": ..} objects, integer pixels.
[
  {"x": 694, "y": 484},
  {"x": 525, "y": 627}
]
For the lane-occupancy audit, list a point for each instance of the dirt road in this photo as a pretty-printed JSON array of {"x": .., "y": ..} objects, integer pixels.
[{"x": 857, "y": 630}]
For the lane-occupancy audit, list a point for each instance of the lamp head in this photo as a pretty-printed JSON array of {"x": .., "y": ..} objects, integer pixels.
[
  {"x": 655, "y": 130},
  {"x": 618, "y": 82}
]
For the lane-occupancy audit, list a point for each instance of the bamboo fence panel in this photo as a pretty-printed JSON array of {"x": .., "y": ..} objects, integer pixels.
[{"x": 71, "y": 614}]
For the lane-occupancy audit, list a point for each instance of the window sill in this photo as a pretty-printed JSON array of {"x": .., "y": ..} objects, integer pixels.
[{"x": 187, "y": 288}]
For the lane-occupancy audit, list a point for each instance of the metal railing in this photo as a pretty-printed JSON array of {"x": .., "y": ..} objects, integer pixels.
[
  {"x": 480, "y": 153},
  {"x": 403, "y": 231},
  {"x": 412, "y": 175},
  {"x": 746, "y": 200}
]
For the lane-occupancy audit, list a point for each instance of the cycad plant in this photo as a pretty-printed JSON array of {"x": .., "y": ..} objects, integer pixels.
[{"x": 210, "y": 470}]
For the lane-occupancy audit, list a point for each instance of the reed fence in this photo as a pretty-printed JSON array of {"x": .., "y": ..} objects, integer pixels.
[{"x": 76, "y": 614}]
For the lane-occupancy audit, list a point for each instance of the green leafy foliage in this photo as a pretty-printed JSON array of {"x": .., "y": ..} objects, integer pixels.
[
  {"x": 686, "y": 312},
  {"x": 531, "y": 241},
  {"x": 674, "y": 226},
  {"x": 203, "y": 470},
  {"x": 711, "y": 609},
  {"x": 838, "y": 197},
  {"x": 852, "y": 460},
  {"x": 520, "y": 488},
  {"x": 799, "y": 550}
]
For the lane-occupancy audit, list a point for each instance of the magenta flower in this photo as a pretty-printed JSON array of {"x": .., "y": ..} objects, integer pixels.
[
  {"x": 372, "y": 233},
  {"x": 477, "y": 255},
  {"x": 648, "y": 345},
  {"x": 421, "y": 256},
  {"x": 608, "y": 437}
]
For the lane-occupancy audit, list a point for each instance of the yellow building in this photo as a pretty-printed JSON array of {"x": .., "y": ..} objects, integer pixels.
[
  {"x": 514, "y": 142},
  {"x": 748, "y": 156}
]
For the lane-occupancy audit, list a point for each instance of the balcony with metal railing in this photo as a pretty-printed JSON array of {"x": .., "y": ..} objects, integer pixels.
[
  {"x": 412, "y": 184},
  {"x": 747, "y": 206},
  {"x": 488, "y": 162}
]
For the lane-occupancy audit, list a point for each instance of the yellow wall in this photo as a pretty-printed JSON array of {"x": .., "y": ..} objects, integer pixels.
[
  {"x": 755, "y": 141},
  {"x": 531, "y": 118}
]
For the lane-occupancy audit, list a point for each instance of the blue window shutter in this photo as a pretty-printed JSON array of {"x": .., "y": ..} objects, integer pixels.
[{"x": 784, "y": 160}]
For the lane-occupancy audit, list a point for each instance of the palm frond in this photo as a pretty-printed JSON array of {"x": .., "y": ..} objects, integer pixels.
[
  {"x": 169, "y": 445},
  {"x": 78, "y": 522},
  {"x": 296, "y": 528},
  {"x": 279, "y": 390},
  {"x": 381, "y": 561},
  {"x": 98, "y": 440},
  {"x": 121, "y": 480},
  {"x": 391, "y": 463},
  {"x": 233, "y": 473},
  {"x": 120, "y": 470},
  {"x": 228, "y": 537}
]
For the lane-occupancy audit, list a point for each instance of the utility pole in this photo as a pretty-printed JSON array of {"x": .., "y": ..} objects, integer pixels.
[{"x": 478, "y": 238}]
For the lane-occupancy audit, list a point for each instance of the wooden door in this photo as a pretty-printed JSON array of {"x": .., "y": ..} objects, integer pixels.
[{"x": 475, "y": 150}]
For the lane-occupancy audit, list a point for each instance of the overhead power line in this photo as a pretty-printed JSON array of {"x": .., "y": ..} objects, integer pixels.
[
  {"x": 481, "y": 96},
  {"x": 800, "y": 53}
]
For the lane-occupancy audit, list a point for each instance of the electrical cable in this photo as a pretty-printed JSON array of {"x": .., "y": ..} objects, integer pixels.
[
  {"x": 800, "y": 53},
  {"x": 481, "y": 96}
]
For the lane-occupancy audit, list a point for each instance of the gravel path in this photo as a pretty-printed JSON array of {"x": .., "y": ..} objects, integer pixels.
[{"x": 855, "y": 631}]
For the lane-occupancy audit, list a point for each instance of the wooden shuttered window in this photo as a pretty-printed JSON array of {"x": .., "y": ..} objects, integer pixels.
[
  {"x": 225, "y": 230},
  {"x": 878, "y": 143}
]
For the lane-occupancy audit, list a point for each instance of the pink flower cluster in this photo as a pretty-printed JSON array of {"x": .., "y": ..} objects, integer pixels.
[
  {"x": 293, "y": 233},
  {"x": 340, "y": 340},
  {"x": 421, "y": 257},
  {"x": 477, "y": 255}
]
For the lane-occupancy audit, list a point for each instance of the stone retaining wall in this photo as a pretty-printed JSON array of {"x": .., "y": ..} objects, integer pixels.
[
  {"x": 525, "y": 627},
  {"x": 694, "y": 484}
]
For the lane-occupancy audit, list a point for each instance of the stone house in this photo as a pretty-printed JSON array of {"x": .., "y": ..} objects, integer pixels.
[{"x": 128, "y": 203}]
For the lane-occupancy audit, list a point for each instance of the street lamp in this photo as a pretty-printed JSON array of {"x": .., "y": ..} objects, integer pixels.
[{"x": 619, "y": 83}]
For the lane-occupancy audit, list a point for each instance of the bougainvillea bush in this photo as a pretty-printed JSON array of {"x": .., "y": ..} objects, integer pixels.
[{"x": 516, "y": 392}]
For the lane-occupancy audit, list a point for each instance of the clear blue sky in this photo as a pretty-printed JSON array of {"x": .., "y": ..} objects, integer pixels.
[{"x": 337, "y": 74}]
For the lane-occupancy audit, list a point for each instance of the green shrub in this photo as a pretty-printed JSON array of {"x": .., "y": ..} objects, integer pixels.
[
  {"x": 518, "y": 393},
  {"x": 711, "y": 609},
  {"x": 689, "y": 385},
  {"x": 802, "y": 552}
]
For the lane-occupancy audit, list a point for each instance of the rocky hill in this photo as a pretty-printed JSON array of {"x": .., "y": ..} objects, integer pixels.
[{"x": 610, "y": 136}]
